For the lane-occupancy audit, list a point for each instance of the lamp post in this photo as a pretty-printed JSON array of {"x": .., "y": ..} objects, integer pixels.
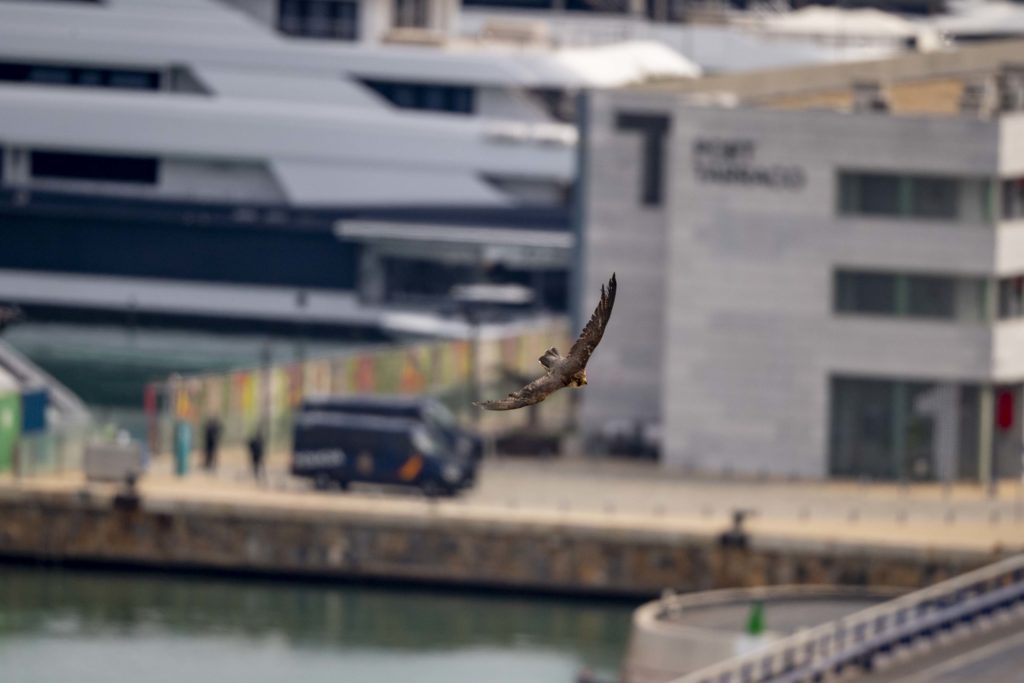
[{"x": 473, "y": 300}]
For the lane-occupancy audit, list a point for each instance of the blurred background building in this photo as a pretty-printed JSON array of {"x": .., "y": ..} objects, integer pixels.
[{"x": 824, "y": 267}]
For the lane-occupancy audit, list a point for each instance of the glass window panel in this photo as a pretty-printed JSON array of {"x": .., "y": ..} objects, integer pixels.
[
  {"x": 45, "y": 74},
  {"x": 934, "y": 197},
  {"x": 882, "y": 429},
  {"x": 1011, "y": 297},
  {"x": 1013, "y": 198},
  {"x": 434, "y": 98},
  {"x": 865, "y": 292},
  {"x": 879, "y": 195},
  {"x": 90, "y": 77},
  {"x": 130, "y": 79},
  {"x": 930, "y": 296}
]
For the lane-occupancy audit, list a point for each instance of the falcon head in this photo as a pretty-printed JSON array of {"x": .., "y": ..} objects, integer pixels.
[{"x": 579, "y": 379}]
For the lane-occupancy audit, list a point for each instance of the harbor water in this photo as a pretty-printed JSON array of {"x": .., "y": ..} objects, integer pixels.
[{"x": 113, "y": 627}]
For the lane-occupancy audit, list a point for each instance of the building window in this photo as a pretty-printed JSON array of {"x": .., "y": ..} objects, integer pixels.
[
  {"x": 895, "y": 429},
  {"x": 411, "y": 14},
  {"x": 937, "y": 297},
  {"x": 337, "y": 19},
  {"x": 1013, "y": 199},
  {"x": 1011, "y": 297},
  {"x": 922, "y": 197},
  {"x": 90, "y": 77},
  {"x": 454, "y": 99},
  {"x": 94, "y": 167}
]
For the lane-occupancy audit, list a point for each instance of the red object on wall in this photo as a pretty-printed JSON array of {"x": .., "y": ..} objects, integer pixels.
[{"x": 1004, "y": 409}]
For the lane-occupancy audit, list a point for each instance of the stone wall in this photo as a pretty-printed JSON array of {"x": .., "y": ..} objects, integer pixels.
[{"x": 444, "y": 548}]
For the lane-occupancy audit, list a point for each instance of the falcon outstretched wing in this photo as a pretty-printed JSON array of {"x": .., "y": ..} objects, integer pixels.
[
  {"x": 534, "y": 392},
  {"x": 591, "y": 335}
]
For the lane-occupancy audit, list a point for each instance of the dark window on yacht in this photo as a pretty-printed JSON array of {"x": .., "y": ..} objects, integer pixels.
[
  {"x": 319, "y": 18},
  {"x": 103, "y": 167},
  {"x": 606, "y": 6},
  {"x": 90, "y": 77},
  {"x": 511, "y": 4},
  {"x": 456, "y": 99},
  {"x": 610, "y": 6},
  {"x": 411, "y": 13}
]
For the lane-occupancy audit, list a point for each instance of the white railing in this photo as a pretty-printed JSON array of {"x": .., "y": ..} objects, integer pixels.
[{"x": 855, "y": 640}]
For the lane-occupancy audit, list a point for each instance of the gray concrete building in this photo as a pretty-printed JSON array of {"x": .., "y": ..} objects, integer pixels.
[{"x": 821, "y": 277}]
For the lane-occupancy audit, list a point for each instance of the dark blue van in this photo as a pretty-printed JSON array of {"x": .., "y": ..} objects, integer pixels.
[
  {"x": 431, "y": 412},
  {"x": 336, "y": 448}
]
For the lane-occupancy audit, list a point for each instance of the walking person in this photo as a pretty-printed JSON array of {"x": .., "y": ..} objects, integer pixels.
[
  {"x": 256, "y": 453},
  {"x": 211, "y": 438}
]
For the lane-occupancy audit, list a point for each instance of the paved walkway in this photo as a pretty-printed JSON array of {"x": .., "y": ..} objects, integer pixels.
[{"x": 640, "y": 496}]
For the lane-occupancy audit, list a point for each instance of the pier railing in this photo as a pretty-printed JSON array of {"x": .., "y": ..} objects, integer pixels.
[{"x": 856, "y": 640}]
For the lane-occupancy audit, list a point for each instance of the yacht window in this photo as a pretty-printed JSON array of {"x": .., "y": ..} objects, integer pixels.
[
  {"x": 456, "y": 99},
  {"x": 45, "y": 74},
  {"x": 319, "y": 18},
  {"x": 90, "y": 77},
  {"x": 102, "y": 167},
  {"x": 514, "y": 4}
]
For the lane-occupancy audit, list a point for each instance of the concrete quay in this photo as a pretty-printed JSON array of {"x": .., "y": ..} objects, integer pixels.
[{"x": 487, "y": 539}]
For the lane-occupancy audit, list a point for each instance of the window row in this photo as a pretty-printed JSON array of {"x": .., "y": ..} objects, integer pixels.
[
  {"x": 52, "y": 165},
  {"x": 911, "y": 295},
  {"x": 605, "y": 6},
  {"x": 942, "y": 297},
  {"x": 916, "y": 196},
  {"x": 90, "y": 77},
  {"x": 930, "y": 197},
  {"x": 449, "y": 98},
  {"x": 319, "y": 18}
]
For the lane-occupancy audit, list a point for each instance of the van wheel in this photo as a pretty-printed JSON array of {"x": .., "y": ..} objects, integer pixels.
[
  {"x": 431, "y": 489},
  {"x": 322, "y": 482},
  {"x": 342, "y": 484}
]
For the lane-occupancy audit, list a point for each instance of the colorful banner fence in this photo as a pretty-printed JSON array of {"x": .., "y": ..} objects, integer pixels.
[{"x": 243, "y": 399}]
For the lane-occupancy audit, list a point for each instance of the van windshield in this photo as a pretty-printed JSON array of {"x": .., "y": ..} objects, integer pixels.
[
  {"x": 438, "y": 414},
  {"x": 427, "y": 441}
]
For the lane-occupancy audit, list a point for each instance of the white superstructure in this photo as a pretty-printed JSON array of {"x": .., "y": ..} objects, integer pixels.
[{"x": 235, "y": 108}]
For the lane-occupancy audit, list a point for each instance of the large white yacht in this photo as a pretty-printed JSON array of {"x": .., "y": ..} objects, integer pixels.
[{"x": 285, "y": 159}]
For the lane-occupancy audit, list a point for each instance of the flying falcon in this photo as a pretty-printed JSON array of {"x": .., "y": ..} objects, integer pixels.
[{"x": 562, "y": 371}]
